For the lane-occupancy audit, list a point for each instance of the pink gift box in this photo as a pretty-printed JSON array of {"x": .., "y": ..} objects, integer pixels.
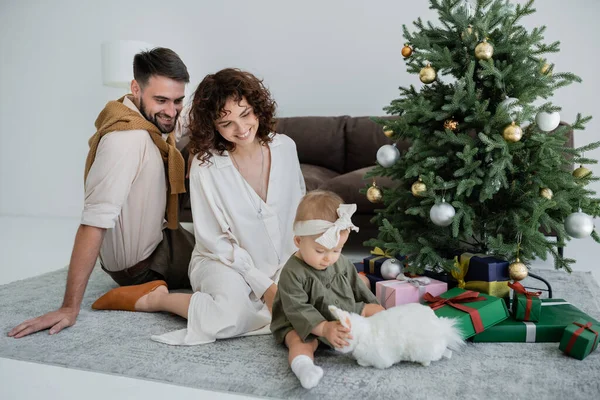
[{"x": 393, "y": 293}]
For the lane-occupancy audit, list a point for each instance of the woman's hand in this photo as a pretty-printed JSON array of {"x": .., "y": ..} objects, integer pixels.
[
  {"x": 269, "y": 297},
  {"x": 336, "y": 333}
]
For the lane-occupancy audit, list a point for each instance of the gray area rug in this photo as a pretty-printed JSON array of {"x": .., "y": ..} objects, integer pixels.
[{"x": 119, "y": 343}]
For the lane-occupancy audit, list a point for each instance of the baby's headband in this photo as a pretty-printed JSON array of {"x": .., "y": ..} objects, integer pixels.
[{"x": 330, "y": 230}]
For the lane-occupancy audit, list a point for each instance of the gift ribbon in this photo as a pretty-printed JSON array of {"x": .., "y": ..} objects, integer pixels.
[
  {"x": 530, "y": 331},
  {"x": 517, "y": 287},
  {"x": 372, "y": 264},
  {"x": 420, "y": 282},
  {"x": 385, "y": 296},
  {"x": 379, "y": 252},
  {"x": 465, "y": 297},
  {"x": 578, "y": 332},
  {"x": 460, "y": 270}
]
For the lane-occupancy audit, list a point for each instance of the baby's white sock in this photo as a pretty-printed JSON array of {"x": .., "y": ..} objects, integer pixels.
[{"x": 306, "y": 370}]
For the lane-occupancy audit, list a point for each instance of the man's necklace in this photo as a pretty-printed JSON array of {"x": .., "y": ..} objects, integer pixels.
[{"x": 261, "y": 187}]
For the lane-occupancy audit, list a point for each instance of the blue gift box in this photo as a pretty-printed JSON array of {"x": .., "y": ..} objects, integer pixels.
[
  {"x": 373, "y": 279},
  {"x": 486, "y": 268}
]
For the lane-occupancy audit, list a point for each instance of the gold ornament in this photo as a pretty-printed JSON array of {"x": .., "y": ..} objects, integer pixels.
[
  {"x": 388, "y": 132},
  {"x": 468, "y": 33},
  {"x": 407, "y": 51},
  {"x": 427, "y": 74},
  {"x": 451, "y": 124},
  {"x": 546, "y": 193},
  {"x": 581, "y": 172},
  {"x": 517, "y": 271},
  {"x": 418, "y": 188},
  {"x": 484, "y": 50},
  {"x": 546, "y": 68},
  {"x": 374, "y": 193},
  {"x": 512, "y": 133}
]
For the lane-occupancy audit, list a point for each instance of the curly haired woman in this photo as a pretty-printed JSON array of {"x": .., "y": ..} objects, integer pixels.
[{"x": 245, "y": 185}]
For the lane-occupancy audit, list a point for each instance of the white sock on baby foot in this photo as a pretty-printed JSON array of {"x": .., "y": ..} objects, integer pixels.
[{"x": 306, "y": 370}]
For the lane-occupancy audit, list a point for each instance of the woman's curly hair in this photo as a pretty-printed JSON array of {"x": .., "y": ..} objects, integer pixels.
[{"x": 207, "y": 107}]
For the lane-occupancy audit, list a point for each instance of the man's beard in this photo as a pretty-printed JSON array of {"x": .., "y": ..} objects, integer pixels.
[{"x": 154, "y": 119}]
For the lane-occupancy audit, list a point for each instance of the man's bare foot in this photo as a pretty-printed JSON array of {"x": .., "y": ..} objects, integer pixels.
[{"x": 150, "y": 301}]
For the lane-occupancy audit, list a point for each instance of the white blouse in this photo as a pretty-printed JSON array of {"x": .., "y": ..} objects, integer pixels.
[{"x": 233, "y": 225}]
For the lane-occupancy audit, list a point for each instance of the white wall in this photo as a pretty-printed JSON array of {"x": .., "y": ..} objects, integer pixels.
[{"x": 318, "y": 57}]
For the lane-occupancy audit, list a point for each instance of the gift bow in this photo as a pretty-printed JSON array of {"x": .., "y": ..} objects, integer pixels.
[
  {"x": 416, "y": 282},
  {"x": 517, "y": 287},
  {"x": 465, "y": 297},
  {"x": 578, "y": 332},
  {"x": 379, "y": 252}
]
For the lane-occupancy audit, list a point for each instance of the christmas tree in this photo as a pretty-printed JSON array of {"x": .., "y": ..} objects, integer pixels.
[{"x": 488, "y": 170}]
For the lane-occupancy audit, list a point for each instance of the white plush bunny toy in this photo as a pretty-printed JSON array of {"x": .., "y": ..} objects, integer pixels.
[{"x": 409, "y": 332}]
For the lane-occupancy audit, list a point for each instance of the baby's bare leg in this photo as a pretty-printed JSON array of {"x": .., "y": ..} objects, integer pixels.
[{"x": 301, "y": 356}]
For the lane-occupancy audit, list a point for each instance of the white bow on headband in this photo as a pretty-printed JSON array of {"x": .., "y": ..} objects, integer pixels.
[{"x": 330, "y": 230}]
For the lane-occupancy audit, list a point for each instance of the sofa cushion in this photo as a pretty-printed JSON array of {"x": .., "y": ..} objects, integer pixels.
[
  {"x": 349, "y": 184},
  {"x": 319, "y": 140},
  {"x": 363, "y": 138},
  {"x": 315, "y": 176}
]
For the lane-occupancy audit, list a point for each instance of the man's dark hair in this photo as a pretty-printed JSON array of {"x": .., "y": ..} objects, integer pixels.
[{"x": 159, "y": 61}]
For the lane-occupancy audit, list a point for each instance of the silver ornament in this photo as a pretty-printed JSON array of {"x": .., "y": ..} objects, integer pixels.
[
  {"x": 496, "y": 184},
  {"x": 511, "y": 105},
  {"x": 579, "y": 225},
  {"x": 466, "y": 8},
  {"x": 387, "y": 155},
  {"x": 391, "y": 268},
  {"x": 442, "y": 213},
  {"x": 547, "y": 121}
]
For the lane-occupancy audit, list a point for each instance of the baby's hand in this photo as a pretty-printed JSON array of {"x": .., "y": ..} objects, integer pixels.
[
  {"x": 336, "y": 334},
  {"x": 371, "y": 309}
]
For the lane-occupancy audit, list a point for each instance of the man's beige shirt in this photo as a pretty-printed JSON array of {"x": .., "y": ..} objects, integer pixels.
[{"x": 125, "y": 192}]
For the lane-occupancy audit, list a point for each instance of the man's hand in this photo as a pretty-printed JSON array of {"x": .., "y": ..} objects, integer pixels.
[
  {"x": 336, "y": 333},
  {"x": 85, "y": 252},
  {"x": 269, "y": 297},
  {"x": 55, "y": 320}
]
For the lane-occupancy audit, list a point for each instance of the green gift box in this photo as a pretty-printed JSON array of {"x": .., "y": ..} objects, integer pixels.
[
  {"x": 526, "y": 306},
  {"x": 474, "y": 311},
  {"x": 556, "y": 314},
  {"x": 579, "y": 339}
]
